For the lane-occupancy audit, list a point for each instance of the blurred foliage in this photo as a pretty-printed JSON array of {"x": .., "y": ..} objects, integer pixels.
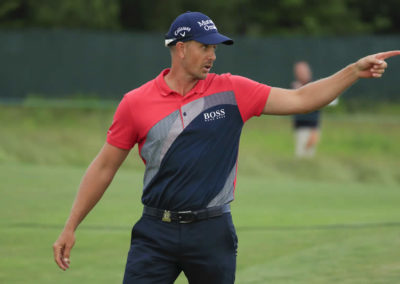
[
  {"x": 244, "y": 17},
  {"x": 99, "y": 14}
]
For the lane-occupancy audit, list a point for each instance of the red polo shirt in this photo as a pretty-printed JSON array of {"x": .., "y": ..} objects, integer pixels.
[{"x": 188, "y": 143}]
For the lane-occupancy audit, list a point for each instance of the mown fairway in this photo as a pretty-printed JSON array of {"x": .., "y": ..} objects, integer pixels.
[{"x": 334, "y": 219}]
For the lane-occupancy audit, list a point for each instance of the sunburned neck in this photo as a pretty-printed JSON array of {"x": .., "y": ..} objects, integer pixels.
[{"x": 180, "y": 83}]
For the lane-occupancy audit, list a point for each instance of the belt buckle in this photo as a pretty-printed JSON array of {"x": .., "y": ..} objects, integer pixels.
[
  {"x": 186, "y": 213},
  {"x": 166, "y": 216}
]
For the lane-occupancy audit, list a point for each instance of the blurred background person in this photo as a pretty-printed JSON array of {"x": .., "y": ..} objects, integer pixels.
[{"x": 306, "y": 126}]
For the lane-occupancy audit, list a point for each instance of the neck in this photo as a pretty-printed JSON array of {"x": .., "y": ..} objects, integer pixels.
[{"x": 179, "y": 81}]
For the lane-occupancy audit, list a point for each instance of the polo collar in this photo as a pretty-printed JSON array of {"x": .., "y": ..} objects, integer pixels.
[{"x": 200, "y": 87}]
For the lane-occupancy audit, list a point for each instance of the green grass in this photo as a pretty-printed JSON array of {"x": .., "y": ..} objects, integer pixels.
[
  {"x": 334, "y": 219},
  {"x": 289, "y": 231}
]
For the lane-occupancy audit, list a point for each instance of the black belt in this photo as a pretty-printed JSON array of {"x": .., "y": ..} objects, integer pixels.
[{"x": 186, "y": 216}]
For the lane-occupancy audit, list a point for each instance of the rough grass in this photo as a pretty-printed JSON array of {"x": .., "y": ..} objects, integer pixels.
[{"x": 363, "y": 147}]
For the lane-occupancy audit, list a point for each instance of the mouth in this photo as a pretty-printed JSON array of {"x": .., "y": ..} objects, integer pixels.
[{"x": 207, "y": 67}]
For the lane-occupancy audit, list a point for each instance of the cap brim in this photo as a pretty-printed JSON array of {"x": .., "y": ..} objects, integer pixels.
[{"x": 214, "y": 38}]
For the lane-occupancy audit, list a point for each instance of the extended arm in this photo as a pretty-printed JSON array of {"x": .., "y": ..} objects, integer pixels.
[
  {"x": 94, "y": 183},
  {"x": 320, "y": 93}
]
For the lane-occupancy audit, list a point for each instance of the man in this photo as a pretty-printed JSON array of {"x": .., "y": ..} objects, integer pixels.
[
  {"x": 306, "y": 126},
  {"x": 187, "y": 123}
]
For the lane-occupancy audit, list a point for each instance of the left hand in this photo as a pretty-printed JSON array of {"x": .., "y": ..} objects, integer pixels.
[{"x": 373, "y": 66}]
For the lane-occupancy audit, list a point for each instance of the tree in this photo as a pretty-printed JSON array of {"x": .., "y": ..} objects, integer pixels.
[
  {"x": 103, "y": 14},
  {"x": 244, "y": 17}
]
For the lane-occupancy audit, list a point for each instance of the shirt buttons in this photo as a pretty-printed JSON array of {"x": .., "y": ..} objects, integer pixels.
[{"x": 184, "y": 114}]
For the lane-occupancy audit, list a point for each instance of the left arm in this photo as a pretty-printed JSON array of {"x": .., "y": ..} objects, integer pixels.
[{"x": 317, "y": 94}]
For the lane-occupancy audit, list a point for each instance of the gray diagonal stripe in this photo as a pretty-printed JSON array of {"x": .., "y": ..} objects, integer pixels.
[
  {"x": 226, "y": 194},
  {"x": 163, "y": 132}
]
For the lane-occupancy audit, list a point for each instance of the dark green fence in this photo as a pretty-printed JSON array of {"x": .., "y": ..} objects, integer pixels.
[{"x": 62, "y": 64}]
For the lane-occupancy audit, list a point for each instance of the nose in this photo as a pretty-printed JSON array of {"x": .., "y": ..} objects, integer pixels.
[{"x": 212, "y": 55}]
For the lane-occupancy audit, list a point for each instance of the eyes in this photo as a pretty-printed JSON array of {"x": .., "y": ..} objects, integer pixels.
[{"x": 207, "y": 47}]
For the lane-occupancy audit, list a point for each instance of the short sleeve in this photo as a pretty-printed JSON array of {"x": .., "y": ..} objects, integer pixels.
[
  {"x": 251, "y": 96},
  {"x": 122, "y": 132}
]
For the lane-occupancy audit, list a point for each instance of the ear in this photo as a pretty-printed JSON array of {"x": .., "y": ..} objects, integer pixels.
[{"x": 180, "y": 49}]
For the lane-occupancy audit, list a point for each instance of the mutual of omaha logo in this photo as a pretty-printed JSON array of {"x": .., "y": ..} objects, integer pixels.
[
  {"x": 214, "y": 115},
  {"x": 207, "y": 25}
]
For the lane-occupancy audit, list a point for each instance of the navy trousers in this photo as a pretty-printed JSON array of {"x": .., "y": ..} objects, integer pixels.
[{"x": 204, "y": 250}]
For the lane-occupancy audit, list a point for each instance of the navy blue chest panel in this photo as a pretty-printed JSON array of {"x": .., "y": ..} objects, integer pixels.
[{"x": 191, "y": 155}]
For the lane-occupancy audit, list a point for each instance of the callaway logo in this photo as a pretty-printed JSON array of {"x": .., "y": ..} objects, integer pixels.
[
  {"x": 207, "y": 25},
  {"x": 213, "y": 115},
  {"x": 182, "y": 31}
]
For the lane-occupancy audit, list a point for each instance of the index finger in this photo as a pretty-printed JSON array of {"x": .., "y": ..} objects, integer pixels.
[{"x": 387, "y": 54}]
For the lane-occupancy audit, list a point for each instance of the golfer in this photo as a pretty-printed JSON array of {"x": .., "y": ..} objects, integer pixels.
[{"x": 187, "y": 124}]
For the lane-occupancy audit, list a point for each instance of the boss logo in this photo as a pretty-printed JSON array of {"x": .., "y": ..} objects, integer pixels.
[{"x": 213, "y": 115}]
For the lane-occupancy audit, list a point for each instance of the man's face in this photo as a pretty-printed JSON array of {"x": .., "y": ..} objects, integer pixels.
[
  {"x": 302, "y": 72},
  {"x": 198, "y": 59}
]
